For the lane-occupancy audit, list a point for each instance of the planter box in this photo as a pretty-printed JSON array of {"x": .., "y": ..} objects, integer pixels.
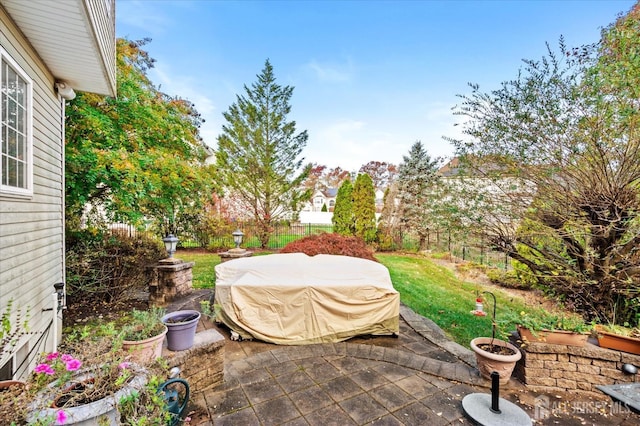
[
  {"x": 618, "y": 342},
  {"x": 554, "y": 337}
]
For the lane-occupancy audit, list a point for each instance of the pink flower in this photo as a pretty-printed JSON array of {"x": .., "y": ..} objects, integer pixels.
[
  {"x": 123, "y": 365},
  {"x": 52, "y": 356},
  {"x": 66, "y": 358},
  {"x": 73, "y": 364},
  {"x": 44, "y": 369},
  {"x": 61, "y": 417}
]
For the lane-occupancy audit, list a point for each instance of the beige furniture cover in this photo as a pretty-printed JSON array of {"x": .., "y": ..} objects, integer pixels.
[{"x": 295, "y": 299}]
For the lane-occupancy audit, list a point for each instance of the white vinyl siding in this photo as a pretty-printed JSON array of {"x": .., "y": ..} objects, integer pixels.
[
  {"x": 16, "y": 171},
  {"x": 32, "y": 226}
]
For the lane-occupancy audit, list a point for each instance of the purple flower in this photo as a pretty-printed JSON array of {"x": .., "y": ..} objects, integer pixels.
[
  {"x": 61, "y": 417},
  {"x": 73, "y": 364},
  {"x": 52, "y": 356},
  {"x": 66, "y": 358},
  {"x": 123, "y": 365},
  {"x": 44, "y": 369}
]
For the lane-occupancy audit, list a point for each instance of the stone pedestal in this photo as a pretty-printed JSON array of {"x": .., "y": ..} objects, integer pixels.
[
  {"x": 170, "y": 278},
  {"x": 235, "y": 253}
]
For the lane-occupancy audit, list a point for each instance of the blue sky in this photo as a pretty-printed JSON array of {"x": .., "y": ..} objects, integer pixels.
[{"x": 370, "y": 77}]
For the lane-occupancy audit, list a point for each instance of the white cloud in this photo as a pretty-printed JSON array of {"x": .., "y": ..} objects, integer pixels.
[
  {"x": 332, "y": 72},
  {"x": 350, "y": 143}
]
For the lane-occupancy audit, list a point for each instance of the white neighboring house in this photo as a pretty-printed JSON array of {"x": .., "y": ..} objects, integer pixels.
[
  {"x": 48, "y": 49},
  {"x": 497, "y": 202},
  {"x": 325, "y": 197}
]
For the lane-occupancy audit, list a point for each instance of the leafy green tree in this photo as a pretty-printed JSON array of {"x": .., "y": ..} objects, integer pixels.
[
  {"x": 416, "y": 181},
  {"x": 566, "y": 132},
  {"x": 258, "y": 153},
  {"x": 364, "y": 208},
  {"x": 343, "y": 218},
  {"x": 137, "y": 156}
]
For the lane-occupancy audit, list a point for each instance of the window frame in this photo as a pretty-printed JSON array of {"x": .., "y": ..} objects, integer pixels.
[{"x": 7, "y": 189}]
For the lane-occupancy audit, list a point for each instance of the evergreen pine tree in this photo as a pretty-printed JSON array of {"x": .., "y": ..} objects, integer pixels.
[
  {"x": 416, "y": 179},
  {"x": 258, "y": 153},
  {"x": 364, "y": 208},
  {"x": 342, "y": 219}
]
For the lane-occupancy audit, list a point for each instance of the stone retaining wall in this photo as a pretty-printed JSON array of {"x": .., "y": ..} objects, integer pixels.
[
  {"x": 203, "y": 364},
  {"x": 553, "y": 368}
]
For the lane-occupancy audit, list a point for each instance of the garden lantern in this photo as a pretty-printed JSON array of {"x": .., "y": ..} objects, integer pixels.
[
  {"x": 170, "y": 244},
  {"x": 237, "y": 237}
]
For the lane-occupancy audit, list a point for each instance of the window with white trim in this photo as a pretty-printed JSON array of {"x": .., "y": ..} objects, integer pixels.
[{"x": 16, "y": 164}]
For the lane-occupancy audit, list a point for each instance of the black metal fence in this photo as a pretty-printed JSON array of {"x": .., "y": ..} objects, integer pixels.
[{"x": 442, "y": 242}]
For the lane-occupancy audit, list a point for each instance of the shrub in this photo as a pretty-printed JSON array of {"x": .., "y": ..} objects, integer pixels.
[
  {"x": 330, "y": 243},
  {"x": 508, "y": 279},
  {"x": 108, "y": 267}
]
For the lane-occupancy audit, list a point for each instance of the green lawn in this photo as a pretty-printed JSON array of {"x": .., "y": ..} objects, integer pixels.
[
  {"x": 204, "y": 275},
  {"x": 434, "y": 292},
  {"x": 431, "y": 290}
]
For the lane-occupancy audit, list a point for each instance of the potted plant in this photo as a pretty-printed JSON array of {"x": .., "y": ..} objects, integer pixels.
[
  {"x": 143, "y": 335},
  {"x": 87, "y": 384},
  {"x": 556, "y": 329},
  {"x": 181, "y": 327},
  {"x": 618, "y": 338},
  {"x": 493, "y": 354}
]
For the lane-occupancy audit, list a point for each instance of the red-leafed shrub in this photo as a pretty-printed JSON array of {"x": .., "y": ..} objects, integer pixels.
[{"x": 326, "y": 243}]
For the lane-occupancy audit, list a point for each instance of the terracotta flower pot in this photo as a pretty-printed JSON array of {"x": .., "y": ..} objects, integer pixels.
[
  {"x": 554, "y": 337},
  {"x": 489, "y": 362},
  {"x": 145, "y": 351}
]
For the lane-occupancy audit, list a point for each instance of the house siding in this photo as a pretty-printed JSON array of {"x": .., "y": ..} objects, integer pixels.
[
  {"x": 101, "y": 13},
  {"x": 31, "y": 228}
]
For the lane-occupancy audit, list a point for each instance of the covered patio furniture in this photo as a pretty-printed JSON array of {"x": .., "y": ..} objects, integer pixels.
[{"x": 295, "y": 299}]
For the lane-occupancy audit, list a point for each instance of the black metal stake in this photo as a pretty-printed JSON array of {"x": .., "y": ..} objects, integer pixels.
[{"x": 495, "y": 392}]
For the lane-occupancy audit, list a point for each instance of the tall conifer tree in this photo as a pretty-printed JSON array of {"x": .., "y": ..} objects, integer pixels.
[
  {"x": 342, "y": 219},
  {"x": 258, "y": 155},
  {"x": 364, "y": 208},
  {"x": 416, "y": 177}
]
